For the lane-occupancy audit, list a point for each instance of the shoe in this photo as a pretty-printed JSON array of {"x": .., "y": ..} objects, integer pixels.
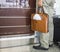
[
  {"x": 51, "y": 45},
  {"x": 40, "y": 48},
  {"x": 59, "y": 45}
]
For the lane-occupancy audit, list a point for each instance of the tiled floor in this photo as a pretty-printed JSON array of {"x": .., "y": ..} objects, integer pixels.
[
  {"x": 24, "y": 47},
  {"x": 28, "y": 48}
]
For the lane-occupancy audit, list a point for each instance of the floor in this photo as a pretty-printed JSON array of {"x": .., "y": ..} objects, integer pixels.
[
  {"x": 29, "y": 48},
  {"x": 23, "y": 45}
]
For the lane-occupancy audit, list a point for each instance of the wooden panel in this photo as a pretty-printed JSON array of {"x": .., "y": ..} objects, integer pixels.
[
  {"x": 32, "y": 3},
  {"x": 14, "y": 21},
  {"x": 5, "y": 20},
  {"x": 19, "y": 11},
  {"x": 16, "y": 30},
  {"x": 16, "y": 12}
]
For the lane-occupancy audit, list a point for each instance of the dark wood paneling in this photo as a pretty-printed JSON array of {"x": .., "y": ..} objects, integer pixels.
[
  {"x": 16, "y": 30},
  {"x": 16, "y": 12},
  {"x": 14, "y": 21},
  {"x": 19, "y": 11},
  {"x": 11, "y": 12},
  {"x": 32, "y": 3}
]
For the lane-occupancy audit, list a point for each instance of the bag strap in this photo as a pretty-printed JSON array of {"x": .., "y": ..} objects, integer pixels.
[
  {"x": 36, "y": 6},
  {"x": 39, "y": 9}
]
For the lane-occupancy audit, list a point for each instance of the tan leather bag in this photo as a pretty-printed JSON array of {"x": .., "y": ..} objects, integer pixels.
[{"x": 40, "y": 25}]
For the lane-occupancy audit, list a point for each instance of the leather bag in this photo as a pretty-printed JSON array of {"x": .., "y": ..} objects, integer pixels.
[{"x": 40, "y": 25}]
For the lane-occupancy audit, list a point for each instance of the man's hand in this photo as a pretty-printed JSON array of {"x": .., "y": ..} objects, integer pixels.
[{"x": 39, "y": 2}]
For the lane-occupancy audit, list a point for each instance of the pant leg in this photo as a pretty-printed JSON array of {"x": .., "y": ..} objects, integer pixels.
[
  {"x": 51, "y": 30},
  {"x": 47, "y": 38},
  {"x": 37, "y": 37},
  {"x": 44, "y": 40}
]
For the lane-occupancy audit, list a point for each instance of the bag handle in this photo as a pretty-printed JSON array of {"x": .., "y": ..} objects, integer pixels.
[
  {"x": 36, "y": 6},
  {"x": 39, "y": 9}
]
